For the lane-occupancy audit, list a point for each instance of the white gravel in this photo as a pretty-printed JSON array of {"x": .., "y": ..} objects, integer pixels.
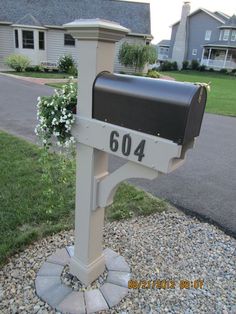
[{"x": 166, "y": 246}]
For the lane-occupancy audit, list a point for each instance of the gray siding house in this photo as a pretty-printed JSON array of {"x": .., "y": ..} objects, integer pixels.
[
  {"x": 163, "y": 50},
  {"x": 34, "y": 28},
  {"x": 205, "y": 36}
]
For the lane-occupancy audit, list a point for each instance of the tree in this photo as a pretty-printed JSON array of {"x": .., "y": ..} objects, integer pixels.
[{"x": 137, "y": 55}]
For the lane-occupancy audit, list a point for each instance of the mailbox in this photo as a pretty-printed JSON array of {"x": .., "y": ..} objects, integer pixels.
[{"x": 167, "y": 109}]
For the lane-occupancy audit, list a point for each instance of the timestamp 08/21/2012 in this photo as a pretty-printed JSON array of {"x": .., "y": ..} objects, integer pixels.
[{"x": 166, "y": 284}]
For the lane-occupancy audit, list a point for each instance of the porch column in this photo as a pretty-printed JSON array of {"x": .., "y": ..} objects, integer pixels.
[
  {"x": 203, "y": 51},
  {"x": 226, "y": 55},
  {"x": 209, "y": 56}
]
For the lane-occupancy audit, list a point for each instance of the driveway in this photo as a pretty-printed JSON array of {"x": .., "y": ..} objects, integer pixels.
[{"x": 205, "y": 185}]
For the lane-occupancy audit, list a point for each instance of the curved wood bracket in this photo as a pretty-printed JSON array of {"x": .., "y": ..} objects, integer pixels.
[{"x": 106, "y": 187}]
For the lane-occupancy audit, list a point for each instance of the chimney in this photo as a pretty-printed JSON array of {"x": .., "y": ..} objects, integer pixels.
[{"x": 179, "y": 48}]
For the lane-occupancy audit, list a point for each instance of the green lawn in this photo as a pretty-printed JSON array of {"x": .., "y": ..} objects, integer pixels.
[
  {"x": 34, "y": 204},
  {"x": 222, "y": 98},
  {"x": 56, "y": 85},
  {"x": 48, "y": 75}
]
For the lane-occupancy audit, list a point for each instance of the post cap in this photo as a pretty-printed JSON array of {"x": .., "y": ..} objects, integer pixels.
[{"x": 96, "y": 29}]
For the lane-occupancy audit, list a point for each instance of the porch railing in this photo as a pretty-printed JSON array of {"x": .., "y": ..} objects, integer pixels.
[{"x": 220, "y": 64}]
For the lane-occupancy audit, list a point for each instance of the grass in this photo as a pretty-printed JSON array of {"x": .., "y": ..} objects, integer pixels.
[
  {"x": 56, "y": 85},
  {"x": 48, "y": 75},
  {"x": 222, "y": 98},
  {"x": 34, "y": 204}
]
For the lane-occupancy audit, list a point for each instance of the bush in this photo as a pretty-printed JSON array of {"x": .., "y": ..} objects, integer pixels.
[
  {"x": 194, "y": 65},
  {"x": 18, "y": 62},
  {"x": 202, "y": 68},
  {"x": 55, "y": 116},
  {"x": 223, "y": 71},
  {"x": 153, "y": 74},
  {"x": 66, "y": 63},
  {"x": 174, "y": 66},
  {"x": 211, "y": 70},
  {"x": 73, "y": 71},
  {"x": 137, "y": 56},
  {"x": 36, "y": 68},
  {"x": 233, "y": 71},
  {"x": 166, "y": 66},
  {"x": 185, "y": 65}
]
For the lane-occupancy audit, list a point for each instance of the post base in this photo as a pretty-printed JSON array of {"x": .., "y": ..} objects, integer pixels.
[{"x": 87, "y": 273}]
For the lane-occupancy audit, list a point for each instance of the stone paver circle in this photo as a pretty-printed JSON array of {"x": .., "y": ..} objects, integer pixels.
[{"x": 64, "y": 299}]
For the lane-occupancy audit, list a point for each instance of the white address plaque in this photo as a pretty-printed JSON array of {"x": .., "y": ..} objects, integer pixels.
[{"x": 148, "y": 150}]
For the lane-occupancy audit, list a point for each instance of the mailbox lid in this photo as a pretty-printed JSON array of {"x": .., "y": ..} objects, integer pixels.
[{"x": 171, "y": 110}]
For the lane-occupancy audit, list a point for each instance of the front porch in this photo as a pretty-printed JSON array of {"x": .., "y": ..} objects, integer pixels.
[{"x": 219, "y": 58}]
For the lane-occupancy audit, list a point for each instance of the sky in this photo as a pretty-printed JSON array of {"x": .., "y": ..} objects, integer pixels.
[{"x": 166, "y": 12}]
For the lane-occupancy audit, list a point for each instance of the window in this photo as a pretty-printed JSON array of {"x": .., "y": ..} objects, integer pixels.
[
  {"x": 221, "y": 34},
  {"x": 28, "y": 39},
  {"x": 194, "y": 52},
  {"x": 226, "y": 35},
  {"x": 16, "y": 39},
  {"x": 69, "y": 40},
  {"x": 41, "y": 41},
  {"x": 208, "y": 35},
  {"x": 233, "y": 35}
]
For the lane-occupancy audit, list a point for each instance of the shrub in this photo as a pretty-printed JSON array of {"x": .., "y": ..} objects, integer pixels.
[
  {"x": 153, "y": 74},
  {"x": 185, "y": 65},
  {"x": 194, "y": 65},
  {"x": 202, "y": 68},
  {"x": 55, "y": 116},
  {"x": 223, "y": 71},
  {"x": 18, "y": 62},
  {"x": 233, "y": 71},
  {"x": 66, "y": 63},
  {"x": 166, "y": 66},
  {"x": 211, "y": 70},
  {"x": 174, "y": 66},
  {"x": 73, "y": 71},
  {"x": 169, "y": 66},
  {"x": 137, "y": 56}
]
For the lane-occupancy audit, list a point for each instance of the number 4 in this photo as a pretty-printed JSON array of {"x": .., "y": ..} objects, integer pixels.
[{"x": 139, "y": 151}]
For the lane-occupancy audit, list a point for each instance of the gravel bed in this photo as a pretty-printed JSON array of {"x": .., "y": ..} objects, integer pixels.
[{"x": 166, "y": 246}]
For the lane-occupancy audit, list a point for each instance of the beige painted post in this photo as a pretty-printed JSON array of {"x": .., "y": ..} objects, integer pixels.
[{"x": 96, "y": 53}]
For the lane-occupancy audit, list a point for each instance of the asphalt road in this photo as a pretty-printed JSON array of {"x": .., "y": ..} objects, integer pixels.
[{"x": 205, "y": 185}]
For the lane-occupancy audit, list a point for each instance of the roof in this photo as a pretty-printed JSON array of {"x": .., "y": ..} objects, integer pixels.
[
  {"x": 164, "y": 42},
  {"x": 28, "y": 19},
  {"x": 231, "y": 23},
  {"x": 133, "y": 15},
  {"x": 221, "y": 43},
  {"x": 215, "y": 15}
]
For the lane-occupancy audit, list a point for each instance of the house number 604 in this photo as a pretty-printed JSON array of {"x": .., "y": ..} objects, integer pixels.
[{"x": 126, "y": 145}]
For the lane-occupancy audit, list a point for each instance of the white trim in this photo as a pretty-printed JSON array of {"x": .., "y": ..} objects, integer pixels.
[
  {"x": 233, "y": 35},
  {"x": 226, "y": 35},
  {"x": 28, "y": 26}
]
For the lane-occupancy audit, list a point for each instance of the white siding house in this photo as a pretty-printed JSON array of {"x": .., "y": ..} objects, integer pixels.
[{"x": 36, "y": 31}]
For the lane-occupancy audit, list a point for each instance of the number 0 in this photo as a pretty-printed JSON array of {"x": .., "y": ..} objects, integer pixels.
[{"x": 126, "y": 145}]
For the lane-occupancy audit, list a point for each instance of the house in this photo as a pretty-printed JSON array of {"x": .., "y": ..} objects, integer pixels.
[
  {"x": 34, "y": 28},
  {"x": 163, "y": 50},
  {"x": 205, "y": 36}
]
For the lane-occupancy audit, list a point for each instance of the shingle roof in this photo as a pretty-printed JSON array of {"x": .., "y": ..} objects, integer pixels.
[
  {"x": 28, "y": 19},
  {"x": 231, "y": 23},
  {"x": 133, "y": 15},
  {"x": 216, "y": 16},
  {"x": 164, "y": 42}
]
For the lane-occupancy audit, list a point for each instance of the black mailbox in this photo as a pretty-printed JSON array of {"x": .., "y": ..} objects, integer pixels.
[{"x": 168, "y": 109}]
